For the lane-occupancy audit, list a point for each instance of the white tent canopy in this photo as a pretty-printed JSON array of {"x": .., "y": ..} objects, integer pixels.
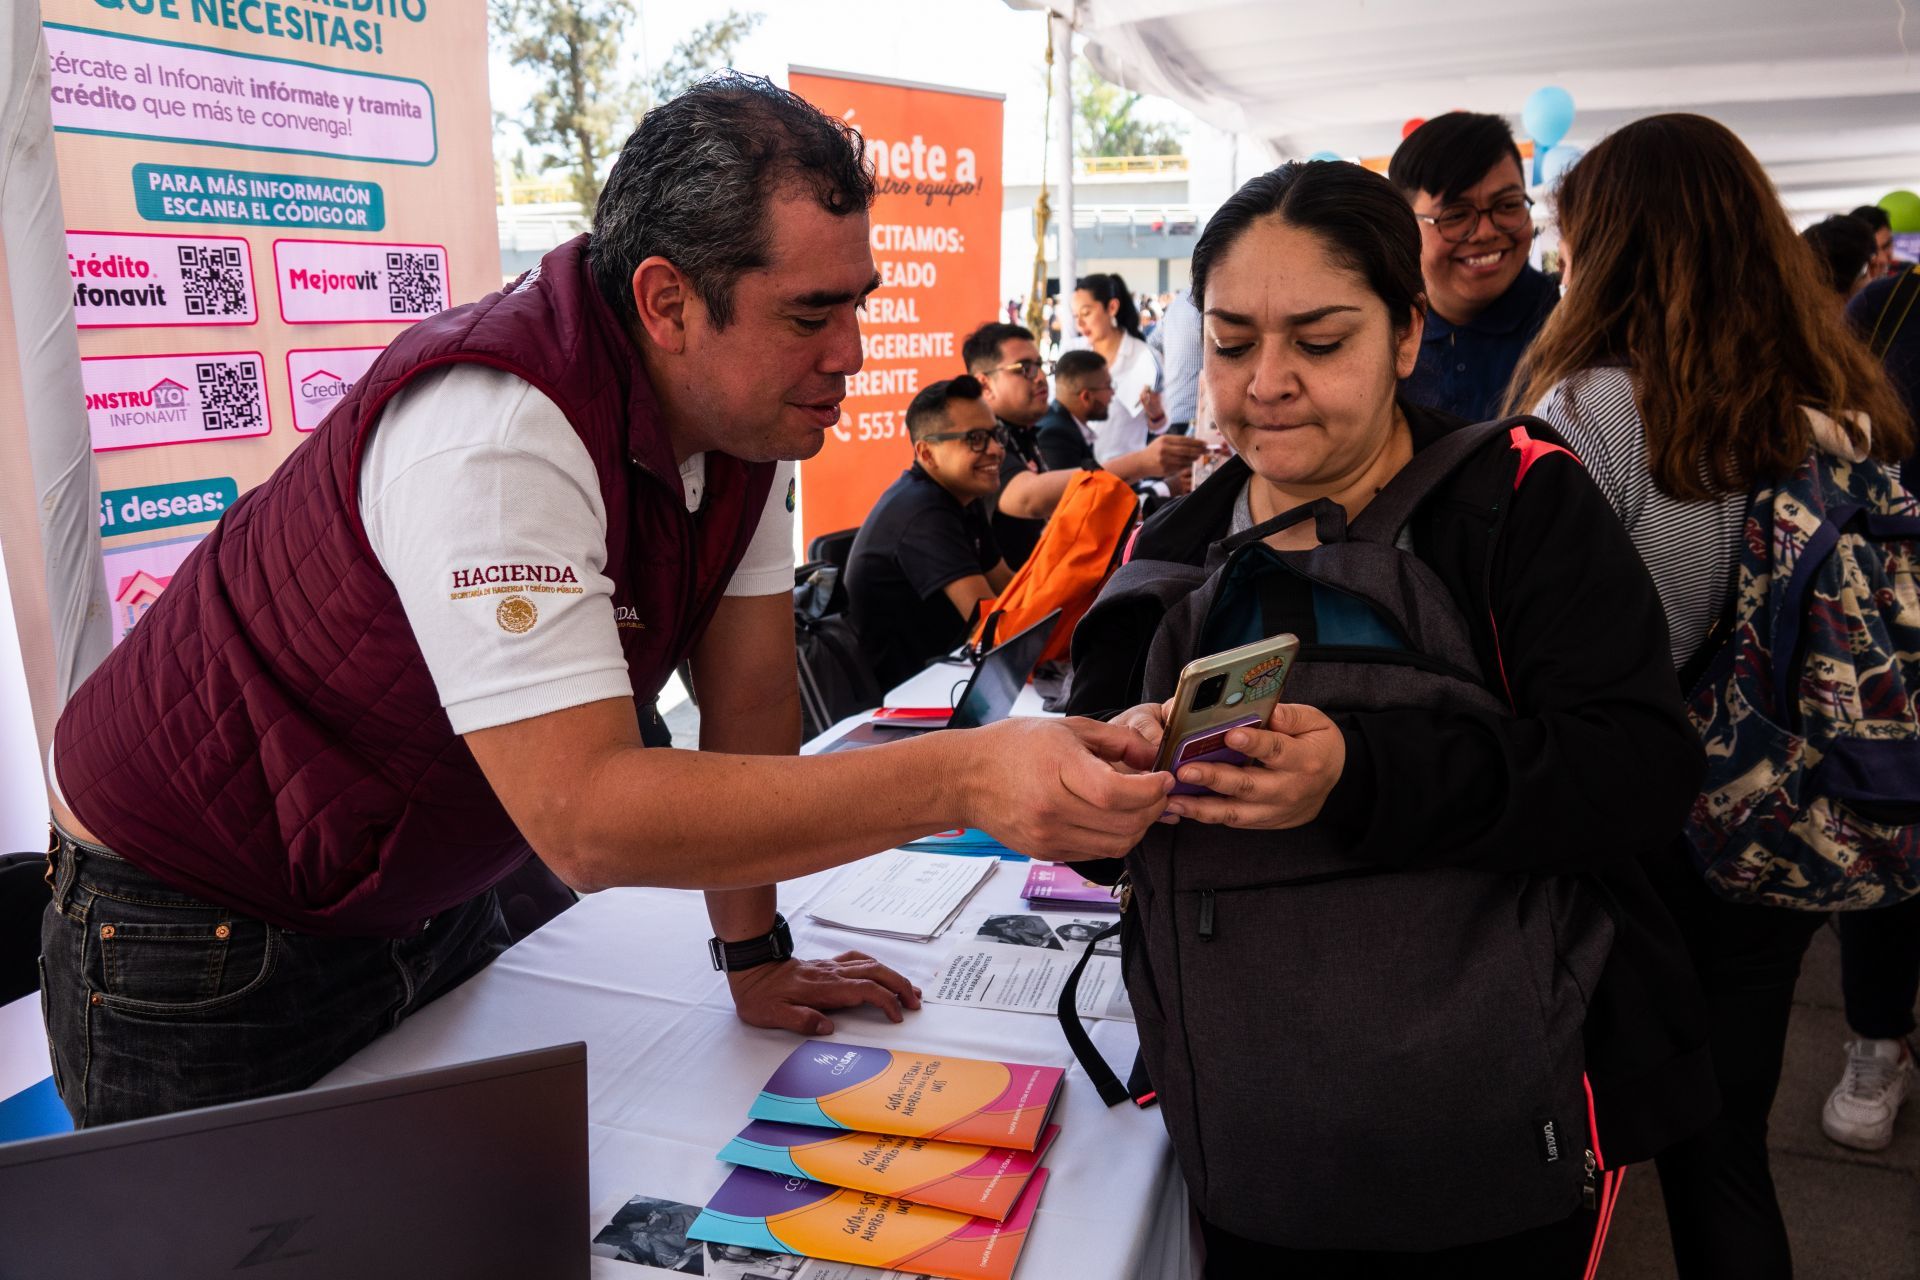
[{"x": 1823, "y": 91}]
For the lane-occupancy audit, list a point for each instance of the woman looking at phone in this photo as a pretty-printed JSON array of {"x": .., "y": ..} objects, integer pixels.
[{"x": 1536, "y": 782}]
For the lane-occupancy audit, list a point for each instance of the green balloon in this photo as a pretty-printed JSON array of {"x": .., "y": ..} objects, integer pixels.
[{"x": 1903, "y": 210}]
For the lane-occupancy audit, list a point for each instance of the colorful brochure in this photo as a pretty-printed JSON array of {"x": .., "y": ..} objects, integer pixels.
[
  {"x": 979, "y": 1181},
  {"x": 761, "y": 1210},
  {"x": 968, "y": 841},
  {"x": 1050, "y": 886},
  {"x": 914, "y": 1095}
]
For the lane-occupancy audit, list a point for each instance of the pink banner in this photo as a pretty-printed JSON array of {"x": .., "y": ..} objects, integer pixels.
[
  {"x": 320, "y": 378},
  {"x": 135, "y": 402},
  {"x": 124, "y": 279},
  {"x": 348, "y": 281},
  {"x": 137, "y": 575},
  {"x": 137, "y": 88}
]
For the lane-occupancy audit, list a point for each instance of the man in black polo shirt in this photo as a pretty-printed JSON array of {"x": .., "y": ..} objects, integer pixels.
[
  {"x": 1013, "y": 379},
  {"x": 925, "y": 556},
  {"x": 1461, "y": 172}
]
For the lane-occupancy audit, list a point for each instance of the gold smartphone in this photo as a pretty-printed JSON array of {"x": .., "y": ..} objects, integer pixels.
[{"x": 1220, "y": 693}]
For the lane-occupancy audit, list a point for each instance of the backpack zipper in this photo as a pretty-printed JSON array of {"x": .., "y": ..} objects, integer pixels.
[
  {"x": 1206, "y": 915},
  {"x": 1589, "y": 1186}
]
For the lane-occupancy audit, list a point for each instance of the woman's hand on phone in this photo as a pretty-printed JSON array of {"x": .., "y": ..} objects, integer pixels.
[{"x": 1292, "y": 766}]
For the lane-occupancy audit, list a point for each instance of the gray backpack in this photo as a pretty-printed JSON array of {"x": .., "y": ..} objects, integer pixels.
[{"x": 1348, "y": 1056}]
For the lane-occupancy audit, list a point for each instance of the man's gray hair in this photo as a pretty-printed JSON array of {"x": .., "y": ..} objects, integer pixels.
[{"x": 693, "y": 184}]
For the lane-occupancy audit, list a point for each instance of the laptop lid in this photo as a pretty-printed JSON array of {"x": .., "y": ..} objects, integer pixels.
[
  {"x": 473, "y": 1170},
  {"x": 1000, "y": 677}
]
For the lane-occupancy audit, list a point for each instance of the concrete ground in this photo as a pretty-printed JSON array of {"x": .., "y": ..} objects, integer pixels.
[{"x": 1852, "y": 1215}]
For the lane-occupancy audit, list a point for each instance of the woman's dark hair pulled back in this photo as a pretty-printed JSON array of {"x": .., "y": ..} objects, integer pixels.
[
  {"x": 1365, "y": 223},
  {"x": 1107, "y": 287}
]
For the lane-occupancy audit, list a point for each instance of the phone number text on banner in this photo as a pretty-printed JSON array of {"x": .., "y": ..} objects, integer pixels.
[{"x": 135, "y": 402}]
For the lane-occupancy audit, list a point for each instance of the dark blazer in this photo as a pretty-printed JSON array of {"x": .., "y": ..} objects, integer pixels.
[{"x": 1061, "y": 443}]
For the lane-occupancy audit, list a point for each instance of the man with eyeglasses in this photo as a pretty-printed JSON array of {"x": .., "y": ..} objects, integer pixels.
[
  {"x": 1463, "y": 176},
  {"x": 1013, "y": 382},
  {"x": 1083, "y": 386},
  {"x": 925, "y": 556}
]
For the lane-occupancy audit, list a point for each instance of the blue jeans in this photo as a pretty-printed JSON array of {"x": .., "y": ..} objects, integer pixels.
[{"x": 158, "y": 1001}]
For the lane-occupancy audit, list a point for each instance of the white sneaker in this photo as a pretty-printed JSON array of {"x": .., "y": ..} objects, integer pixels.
[{"x": 1860, "y": 1110}]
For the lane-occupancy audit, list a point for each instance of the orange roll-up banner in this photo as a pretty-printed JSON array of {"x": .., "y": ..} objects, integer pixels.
[{"x": 936, "y": 239}]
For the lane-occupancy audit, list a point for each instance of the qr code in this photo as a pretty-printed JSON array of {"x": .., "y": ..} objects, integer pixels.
[
  {"x": 230, "y": 398},
  {"x": 213, "y": 280},
  {"x": 413, "y": 283}
]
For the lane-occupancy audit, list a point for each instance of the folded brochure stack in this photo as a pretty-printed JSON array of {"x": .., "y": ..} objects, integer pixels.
[{"x": 917, "y": 1162}]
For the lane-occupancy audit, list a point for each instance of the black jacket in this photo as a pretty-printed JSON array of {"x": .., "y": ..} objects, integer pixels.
[
  {"x": 1060, "y": 441},
  {"x": 1593, "y": 773}
]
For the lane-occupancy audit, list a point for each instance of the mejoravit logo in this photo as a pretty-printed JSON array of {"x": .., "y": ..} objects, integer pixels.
[{"x": 332, "y": 281}]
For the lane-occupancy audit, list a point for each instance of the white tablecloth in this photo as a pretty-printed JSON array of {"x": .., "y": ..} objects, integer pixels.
[{"x": 671, "y": 1070}]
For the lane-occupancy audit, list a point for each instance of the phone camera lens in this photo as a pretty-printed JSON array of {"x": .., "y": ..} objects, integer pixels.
[{"x": 1208, "y": 694}]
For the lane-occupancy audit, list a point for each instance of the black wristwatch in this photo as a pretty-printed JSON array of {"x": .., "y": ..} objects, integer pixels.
[{"x": 732, "y": 957}]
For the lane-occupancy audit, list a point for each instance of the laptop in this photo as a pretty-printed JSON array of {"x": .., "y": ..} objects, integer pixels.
[
  {"x": 474, "y": 1170},
  {"x": 989, "y": 696}
]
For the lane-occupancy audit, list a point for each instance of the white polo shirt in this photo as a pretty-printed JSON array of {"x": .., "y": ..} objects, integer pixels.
[
  {"x": 1135, "y": 370},
  {"x": 474, "y": 492}
]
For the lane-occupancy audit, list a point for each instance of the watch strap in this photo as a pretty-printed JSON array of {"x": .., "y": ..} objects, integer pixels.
[{"x": 749, "y": 953}]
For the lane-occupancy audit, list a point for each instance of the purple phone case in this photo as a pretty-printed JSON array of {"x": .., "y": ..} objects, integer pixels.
[{"x": 1219, "y": 755}]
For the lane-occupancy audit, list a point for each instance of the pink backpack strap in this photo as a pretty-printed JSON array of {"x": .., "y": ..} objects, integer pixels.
[
  {"x": 1531, "y": 451},
  {"x": 1126, "y": 554}
]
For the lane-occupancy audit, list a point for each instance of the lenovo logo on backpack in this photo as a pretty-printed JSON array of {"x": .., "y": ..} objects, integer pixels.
[{"x": 1549, "y": 1140}]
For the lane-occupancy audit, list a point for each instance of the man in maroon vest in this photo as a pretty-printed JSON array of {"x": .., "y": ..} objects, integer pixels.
[{"x": 428, "y": 644}]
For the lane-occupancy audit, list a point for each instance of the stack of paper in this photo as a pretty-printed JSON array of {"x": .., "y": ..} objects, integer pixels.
[
  {"x": 911, "y": 896},
  {"x": 1020, "y": 962},
  {"x": 934, "y": 1161}
]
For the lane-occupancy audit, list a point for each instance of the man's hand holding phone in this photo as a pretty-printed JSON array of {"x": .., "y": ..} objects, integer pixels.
[{"x": 1292, "y": 766}]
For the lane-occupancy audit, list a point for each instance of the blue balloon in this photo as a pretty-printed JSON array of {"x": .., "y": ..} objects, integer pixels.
[
  {"x": 1554, "y": 164},
  {"x": 1324, "y": 155},
  {"x": 1548, "y": 115}
]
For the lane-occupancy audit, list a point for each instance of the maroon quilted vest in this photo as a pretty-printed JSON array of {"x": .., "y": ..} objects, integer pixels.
[{"x": 268, "y": 737}]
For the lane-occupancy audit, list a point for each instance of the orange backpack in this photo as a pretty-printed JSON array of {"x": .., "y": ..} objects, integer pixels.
[{"x": 1077, "y": 550}]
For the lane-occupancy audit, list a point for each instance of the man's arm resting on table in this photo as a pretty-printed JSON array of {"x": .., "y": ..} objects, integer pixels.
[
  {"x": 744, "y": 671},
  {"x": 1034, "y": 494}
]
